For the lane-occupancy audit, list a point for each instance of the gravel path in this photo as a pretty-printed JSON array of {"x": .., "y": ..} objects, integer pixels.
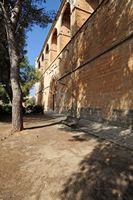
[{"x": 49, "y": 161}]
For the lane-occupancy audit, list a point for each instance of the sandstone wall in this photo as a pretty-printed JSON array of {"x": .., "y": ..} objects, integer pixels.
[{"x": 93, "y": 75}]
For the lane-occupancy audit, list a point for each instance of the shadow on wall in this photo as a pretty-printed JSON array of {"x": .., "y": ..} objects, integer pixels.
[
  {"x": 93, "y": 3},
  {"x": 63, "y": 95},
  {"x": 104, "y": 91},
  {"x": 103, "y": 87},
  {"x": 40, "y": 92},
  {"x": 105, "y": 174},
  {"x": 52, "y": 94}
]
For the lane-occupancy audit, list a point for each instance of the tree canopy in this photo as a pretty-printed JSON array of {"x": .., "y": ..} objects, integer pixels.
[
  {"x": 16, "y": 18},
  {"x": 28, "y": 76},
  {"x": 31, "y": 14}
]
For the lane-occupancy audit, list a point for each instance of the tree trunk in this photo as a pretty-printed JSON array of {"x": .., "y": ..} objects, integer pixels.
[
  {"x": 10, "y": 26},
  {"x": 17, "y": 118}
]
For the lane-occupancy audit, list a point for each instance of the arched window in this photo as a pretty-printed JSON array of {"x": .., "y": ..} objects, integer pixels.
[
  {"x": 54, "y": 39},
  {"x": 66, "y": 20},
  {"x": 42, "y": 57},
  {"x": 39, "y": 65},
  {"x": 46, "y": 56},
  {"x": 65, "y": 27},
  {"x": 47, "y": 49},
  {"x": 54, "y": 45}
]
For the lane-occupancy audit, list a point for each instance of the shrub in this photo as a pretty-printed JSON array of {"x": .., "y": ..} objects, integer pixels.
[
  {"x": 32, "y": 108},
  {"x": 5, "y": 109},
  {"x": 37, "y": 109}
]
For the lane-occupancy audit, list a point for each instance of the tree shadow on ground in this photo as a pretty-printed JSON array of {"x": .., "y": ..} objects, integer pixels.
[
  {"x": 42, "y": 121},
  {"x": 104, "y": 174},
  {"x": 43, "y": 126}
]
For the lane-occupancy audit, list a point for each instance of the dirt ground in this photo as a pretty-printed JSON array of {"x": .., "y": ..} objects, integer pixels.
[{"x": 49, "y": 161}]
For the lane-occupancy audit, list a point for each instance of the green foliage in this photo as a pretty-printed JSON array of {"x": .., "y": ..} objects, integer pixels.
[
  {"x": 16, "y": 18},
  {"x": 5, "y": 109},
  {"x": 29, "y": 104},
  {"x": 32, "y": 108},
  {"x": 28, "y": 76},
  {"x": 37, "y": 109},
  {"x": 3, "y": 95},
  {"x": 32, "y": 12},
  {"x": 4, "y": 57}
]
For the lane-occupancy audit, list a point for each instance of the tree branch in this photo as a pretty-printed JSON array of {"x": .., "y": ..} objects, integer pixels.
[
  {"x": 2, "y": 4},
  {"x": 15, "y": 13}
]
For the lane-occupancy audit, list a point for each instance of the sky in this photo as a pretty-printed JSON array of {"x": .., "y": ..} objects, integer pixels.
[{"x": 36, "y": 37}]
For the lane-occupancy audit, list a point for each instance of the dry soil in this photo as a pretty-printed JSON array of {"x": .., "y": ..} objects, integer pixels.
[{"x": 49, "y": 161}]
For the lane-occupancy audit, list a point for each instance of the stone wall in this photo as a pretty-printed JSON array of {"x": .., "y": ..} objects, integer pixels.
[{"x": 92, "y": 77}]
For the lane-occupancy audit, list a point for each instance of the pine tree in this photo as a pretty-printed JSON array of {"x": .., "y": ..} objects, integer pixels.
[{"x": 17, "y": 17}]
